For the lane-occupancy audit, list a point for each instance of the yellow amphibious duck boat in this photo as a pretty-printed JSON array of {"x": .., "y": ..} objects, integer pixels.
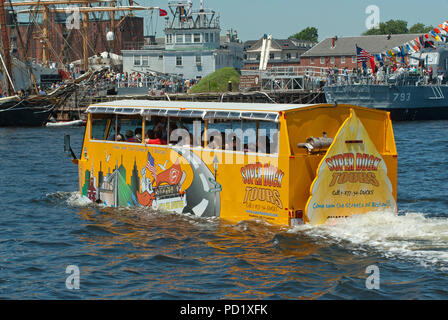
[{"x": 288, "y": 164}]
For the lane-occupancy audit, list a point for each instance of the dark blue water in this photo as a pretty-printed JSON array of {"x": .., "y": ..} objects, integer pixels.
[{"x": 138, "y": 254}]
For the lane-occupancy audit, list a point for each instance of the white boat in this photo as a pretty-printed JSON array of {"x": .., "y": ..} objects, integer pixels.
[{"x": 65, "y": 123}]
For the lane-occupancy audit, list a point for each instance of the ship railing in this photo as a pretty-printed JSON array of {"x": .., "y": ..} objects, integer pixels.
[
  {"x": 396, "y": 79},
  {"x": 287, "y": 71},
  {"x": 152, "y": 85},
  {"x": 278, "y": 78}
]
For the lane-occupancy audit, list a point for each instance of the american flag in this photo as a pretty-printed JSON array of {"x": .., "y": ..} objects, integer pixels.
[
  {"x": 150, "y": 165},
  {"x": 362, "y": 55}
]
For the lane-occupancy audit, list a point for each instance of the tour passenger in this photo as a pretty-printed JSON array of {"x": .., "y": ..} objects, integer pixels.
[
  {"x": 250, "y": 147},
  {"x": 228, "y": 141},
  {"x": 138, "y": 134},
  {"x": 161, "y": 125},
  {"x": 234, "y": 144},
  {"x": 223, "y": 139},
  {"x": 149, "y": 135},
  {"x": 157, "y": 138},
  {"x": 118, "y": 136},
  {"x": 215, "y": 141},
  {"x": 130, "y": 136}
]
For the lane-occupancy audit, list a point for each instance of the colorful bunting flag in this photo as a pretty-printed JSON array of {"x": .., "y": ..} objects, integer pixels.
[
  {"x": 434, "y": 35},
  {"x": 444, "y": 27},
  {"x": 440, "y": 33},
  {"x": 421, "y": 39}
]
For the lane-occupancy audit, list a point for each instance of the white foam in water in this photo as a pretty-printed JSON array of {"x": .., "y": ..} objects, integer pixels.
[
  {"x": 408, "y": 236},
  {"x": 75, "y": 199}
]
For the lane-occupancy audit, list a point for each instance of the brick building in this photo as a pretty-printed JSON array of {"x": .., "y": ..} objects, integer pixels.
[
  {"x": 341, "y": 52},
  {"x": 128, "y": 35}
]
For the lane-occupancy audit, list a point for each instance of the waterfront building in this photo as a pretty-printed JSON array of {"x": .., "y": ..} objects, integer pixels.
[
  {"x": 192, "y": 46},
  {"x": 282, "y": 52},
  {"x": 340, "y": 52}
]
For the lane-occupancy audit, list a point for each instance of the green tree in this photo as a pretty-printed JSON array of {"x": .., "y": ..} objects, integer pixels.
[
  {"x": 420, "y": 28},
  {"x": 389, "y": 27},
  {"x": 309, "y": 33}
]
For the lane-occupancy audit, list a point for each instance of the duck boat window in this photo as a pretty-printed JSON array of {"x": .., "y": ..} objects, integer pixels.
[
  {"x": 211, "y": 129},
  {"x": 102, "y": 126},
  {"x": 130, "y": 128},
  {"x": 114, "y": 127},
  {"x": 243, "y": 135}
]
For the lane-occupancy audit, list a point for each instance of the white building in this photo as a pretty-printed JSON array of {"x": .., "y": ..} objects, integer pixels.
[{"x": 192, "y": 46}]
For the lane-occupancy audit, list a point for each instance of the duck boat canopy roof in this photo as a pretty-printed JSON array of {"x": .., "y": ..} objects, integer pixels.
[{"x": 204, "y": 110}]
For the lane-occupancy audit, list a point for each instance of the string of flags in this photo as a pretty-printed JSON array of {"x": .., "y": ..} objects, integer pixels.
[{"x": 426, "y": 40}]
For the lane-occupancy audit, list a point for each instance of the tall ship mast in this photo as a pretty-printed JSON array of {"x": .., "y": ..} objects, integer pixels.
[{"x": 82, "y": 12}]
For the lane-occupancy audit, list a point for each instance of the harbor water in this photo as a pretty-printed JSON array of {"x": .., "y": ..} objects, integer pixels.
[{"x": 142, "y": 254}]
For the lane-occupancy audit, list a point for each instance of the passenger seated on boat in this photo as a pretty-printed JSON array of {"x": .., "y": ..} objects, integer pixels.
[
  {"x": 234, "y": 144},
  {"x": 117, "y": 137},
  {"x": 215, "y": 141},
  {"x": 149, "y": 135},
  {"x": 250, "y": 147},
  {"x": 138, "y": 134},
  {"x": 227, "y": 141},
  {"x": 157, "y": 138},
  {"x": 130, "y": 136},
  {"x": 161, "y": 126}
]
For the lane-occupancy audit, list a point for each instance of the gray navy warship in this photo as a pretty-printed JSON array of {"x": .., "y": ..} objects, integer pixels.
[{"x": 408, "y": 95}]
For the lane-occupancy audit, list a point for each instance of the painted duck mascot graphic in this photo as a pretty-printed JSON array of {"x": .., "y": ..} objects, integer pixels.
[
  {"x": 173, "y": 176},
  {"x": 200, "y": 198}
]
